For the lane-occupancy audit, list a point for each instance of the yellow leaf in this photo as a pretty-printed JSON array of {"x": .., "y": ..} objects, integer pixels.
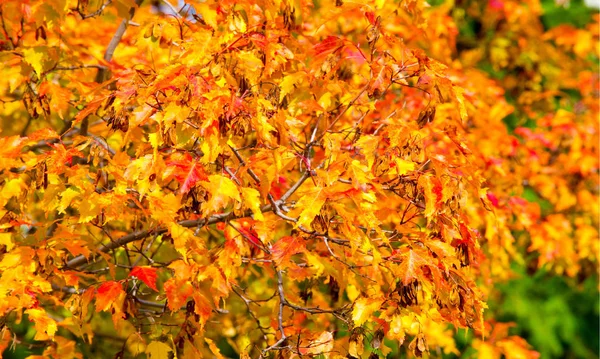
[
  {"x": 209, "y": 15},
  {"x": 154, "y": 140},
  {"x": 250, "y": 66},
  {"x": 356, "y": 347},
  {"x": 174, "y": 113},
  {"x": 66, "y": 198},
  {"x": 238, "y": 24},
  {"x": 352, "y": 292},
  {"x": 310, "y": 204},
  {"x": 325, "y": 100},
  {"x": 252, "y": 198},
  {"x": 224, "y": 185},
  {"x": 403, "y": 167},
  {"x": 158, "y": 350},
  {"x": 460, "y": 98},
  {"x": 34, "y": 56},
  {"x": 322, "y": 345},
  {"x": 315, "y": 262},
  {"x": 5, "y": 239},
  {"x": 263, "y": 127},
  {"x": 363, "y": 309},
  {"x": 214, "y": 349},
  {"x": 89, "y": 208},
  {"x": 211, "y": 148},
  {"x": 287, "y": 84},
  {"x": 180, "y": 236},
  {"x": 10, "y": 189},
  {"x": 368, "y": 144},
  {"x": 45, "y": 326},
  {"x": 396, "y": 331},
  {"x": 221, "y": 189}
]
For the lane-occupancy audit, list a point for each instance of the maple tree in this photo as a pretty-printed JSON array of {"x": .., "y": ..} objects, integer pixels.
[{"x": 263, "y": 179}]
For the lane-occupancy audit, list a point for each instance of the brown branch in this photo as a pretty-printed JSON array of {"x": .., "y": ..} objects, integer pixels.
[
  {"x": 74, "y": 68},
  {"x": 188, "y": 223},
  {"x": 131, "y": 237},
  {"x": 110, "y": 50},
  {"x": 350, "y": 104},
  {"x": 247, "y": 302},
  {"x": 103, "y": 72},
  {"x": 282, "y": 303},
  {"x": 352, "y": 267},
  {"x": 92, "y": 14},
  {"x": 250, "y": 240}
]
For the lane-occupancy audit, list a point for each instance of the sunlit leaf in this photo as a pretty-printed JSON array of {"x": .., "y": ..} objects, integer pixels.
[{"x": 145, "y": 274}]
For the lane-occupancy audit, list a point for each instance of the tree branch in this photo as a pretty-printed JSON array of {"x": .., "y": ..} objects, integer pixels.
[
  {"x": 103, "y": 72},
  {"x": 282, "y": 303},
  {"x": 131, "y": 237}
]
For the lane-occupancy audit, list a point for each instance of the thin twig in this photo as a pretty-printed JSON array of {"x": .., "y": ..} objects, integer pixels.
[
  {"x": 282, "y": 302},
  {"x": 174, "y": 11},
  {"x": 92, "y": 14}
]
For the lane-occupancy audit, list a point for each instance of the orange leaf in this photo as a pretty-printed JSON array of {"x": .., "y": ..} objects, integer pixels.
[
  {"x": 146, "y": 275},
  {"x": 286, "y": 247},
  {"x": 202, "y": 307},
  {"x": 107, "y": 294},
  {"x": 177, "y": 293},
  {"x": 433, "y": 194},
  {"x": 410, "y": 267},
  {"x": 89, "y": 109}
]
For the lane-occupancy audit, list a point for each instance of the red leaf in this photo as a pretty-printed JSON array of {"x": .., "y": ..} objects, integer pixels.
[
  {"x": 192, "y": 177},
  {"x": 251, "y": 236},
  {"x": 258, "y": 39},
  {"x": 492, "y": 197},
  {"x": 496, "y": 4},
  {"x": 371, "y": 17},
  {"x": 187, "y": 171},
  {"x": 327, "y": 46},
  {"x": 146, "y": 275}
]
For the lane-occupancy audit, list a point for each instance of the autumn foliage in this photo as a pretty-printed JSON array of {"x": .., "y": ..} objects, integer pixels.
[{"x": 288, "y": 179}]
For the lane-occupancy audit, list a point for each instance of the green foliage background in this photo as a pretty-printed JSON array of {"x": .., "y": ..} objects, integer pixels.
[{"x": 558, "y": 316}]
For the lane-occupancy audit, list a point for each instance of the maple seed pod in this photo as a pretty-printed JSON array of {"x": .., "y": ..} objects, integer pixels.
[
  {"x": 418, "y": 346},
  {"x": 408, "y": 293},
  {"x": 334, "y": 289},
  {"x": 377, "y": 339},
  {"x": 305, "y": 295},
  {"x": 381, "y": 166},
  {"x": 463, "y": 254},
  {"x": 320, "y": 224},
  {"x": 426, "y": 116},
  {"x": 40, "y": 32},
  {"x": 356, "y": 345}
]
